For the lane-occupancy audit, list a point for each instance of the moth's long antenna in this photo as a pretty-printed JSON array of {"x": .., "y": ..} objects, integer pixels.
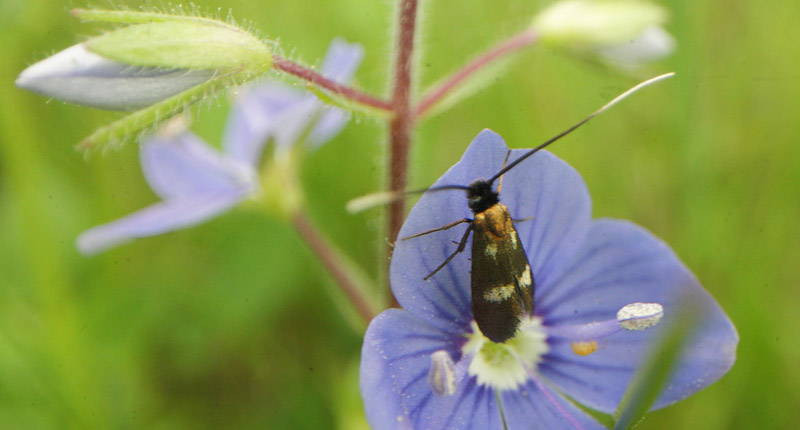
[
  {"x": 376, "y": 199},
  {"x": 582, "y": 122},
  {"x": 384, "y": 197}
]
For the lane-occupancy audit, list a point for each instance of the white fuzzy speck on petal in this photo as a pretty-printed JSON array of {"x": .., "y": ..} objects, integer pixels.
[
  {"x": 640, "y": 316},
  {"x": 442, "y": 376}
]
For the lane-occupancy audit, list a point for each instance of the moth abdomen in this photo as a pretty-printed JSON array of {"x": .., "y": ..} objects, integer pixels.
[{"x": 502, "y": 282}]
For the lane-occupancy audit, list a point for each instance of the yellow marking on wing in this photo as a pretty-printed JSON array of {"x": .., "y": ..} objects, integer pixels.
[
  {"x": 526, "y": 279},
  {"x": 499, "y": 294}
]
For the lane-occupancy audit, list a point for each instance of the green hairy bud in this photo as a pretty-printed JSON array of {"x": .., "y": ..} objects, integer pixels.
[
  {"x": 156, "y": 65},
  {"x": 183, "y": 42}
]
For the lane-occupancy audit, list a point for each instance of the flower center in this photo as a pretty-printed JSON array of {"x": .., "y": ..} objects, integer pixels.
[{"x": 504, "y": 366}]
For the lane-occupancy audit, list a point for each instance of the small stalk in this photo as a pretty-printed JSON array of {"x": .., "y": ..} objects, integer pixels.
[
  {"x": 315, "y": 78},
  {"x": 336, "y": 267},
  {"x": 499, "y": 51},
  {"x": 400, "y": 128}
]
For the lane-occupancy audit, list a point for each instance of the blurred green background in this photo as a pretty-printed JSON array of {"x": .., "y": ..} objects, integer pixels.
[{"x": 233, "y": 323}]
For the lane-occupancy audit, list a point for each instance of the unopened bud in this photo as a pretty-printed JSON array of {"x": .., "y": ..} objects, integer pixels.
[
  {"x": 157, "y": 57},
  {"x": 620, "y": 31},
  {"x": 185, "y": 44},
  {"x": 79, "y": 76}
]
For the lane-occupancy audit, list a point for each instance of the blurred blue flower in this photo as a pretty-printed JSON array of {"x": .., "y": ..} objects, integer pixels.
[
  {"x": 599, "y": 284},
  {"x": 197, "y": 182}
]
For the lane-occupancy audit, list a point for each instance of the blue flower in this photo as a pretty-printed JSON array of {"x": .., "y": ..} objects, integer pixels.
[
  {"x": 599, "y": 283},
  {"x": 197, "y": 182}
]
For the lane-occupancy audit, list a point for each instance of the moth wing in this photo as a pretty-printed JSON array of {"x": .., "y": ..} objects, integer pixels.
[{"x": 502, "y": 282}]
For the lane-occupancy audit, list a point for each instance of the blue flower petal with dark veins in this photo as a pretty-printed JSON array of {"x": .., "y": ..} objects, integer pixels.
[
  {"x": 622, "y": 263},
  {"x": 198, "y": 182},
  {"x": 585, "y": 271}
]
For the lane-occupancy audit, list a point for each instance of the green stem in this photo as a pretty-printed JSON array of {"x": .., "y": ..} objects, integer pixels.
[
  {"x": 498, "y": 52},
  {"x": 315, "y": 78},
  {"x": 337, "y": 267},
  {"x": 141, "y": 119},
  {"x": 402, "y": 123}
]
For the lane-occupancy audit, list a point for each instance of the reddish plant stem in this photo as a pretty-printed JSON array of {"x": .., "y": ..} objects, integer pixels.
[
  {"x": 500, "y": 50},
  {"x": 315, "y": 78},
  {"x": 334, "y": 265},
  {"x": 403, "y": 120}
]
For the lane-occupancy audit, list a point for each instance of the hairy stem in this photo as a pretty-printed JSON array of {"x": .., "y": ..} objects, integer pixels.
[
  {"x": 499, "y": 51},
  {"x": 315, "y": 78},
  {"x": 335, "y": 266},
  {"x": 403, "y": 121}
]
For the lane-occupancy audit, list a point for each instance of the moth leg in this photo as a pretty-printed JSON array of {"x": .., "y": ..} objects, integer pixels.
[
  {"x": 500, "y": 184},
  {"x": 444, "y": 227},
  {"x": 459, "y": 250},
  {"x": 527, "y": 218}
]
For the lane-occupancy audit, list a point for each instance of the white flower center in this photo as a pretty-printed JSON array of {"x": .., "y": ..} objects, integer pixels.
[{"x": 505, "y": 366}]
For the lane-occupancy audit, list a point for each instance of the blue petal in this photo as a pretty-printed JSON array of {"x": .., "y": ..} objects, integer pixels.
[
  {"x": 554, "y": 194},
  {"x": 530, "y": 408},
  {"x": 621, "y": 263},
  {"x": 181, "y": 165},
  {"x": 156, "y": 219},
  {"x": 268, "y": 111},
  {"x": 395, "y": 361},
  {"x": 340, "y": 64},
  {"x": 279, "y": 112},
  {"x": 342, "y": 60},
  {"x": 542, "y": 186},
  {"x": 444, "y": 299},
  {"x": 330, "y": 123}
]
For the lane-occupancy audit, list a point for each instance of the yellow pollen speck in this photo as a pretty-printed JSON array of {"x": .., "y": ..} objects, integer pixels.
[{"x": 584, "y": 348}]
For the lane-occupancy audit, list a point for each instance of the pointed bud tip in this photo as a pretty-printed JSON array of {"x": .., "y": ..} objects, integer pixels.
[{"x": 77, "y": 75}]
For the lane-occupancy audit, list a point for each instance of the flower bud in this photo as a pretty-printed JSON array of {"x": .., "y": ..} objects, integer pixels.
[
  {"x": 652, "y": 44},
  {"x": 157, "y": 57},
  {"x": 79, "y": 76},
  {"x": 185, "y": 44},
  {"x": 620, "y": 31}
]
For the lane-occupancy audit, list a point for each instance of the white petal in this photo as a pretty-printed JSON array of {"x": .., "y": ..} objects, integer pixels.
[
  {"x": 79, "y": 76},
  {"x": 652, "y": 44}
]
